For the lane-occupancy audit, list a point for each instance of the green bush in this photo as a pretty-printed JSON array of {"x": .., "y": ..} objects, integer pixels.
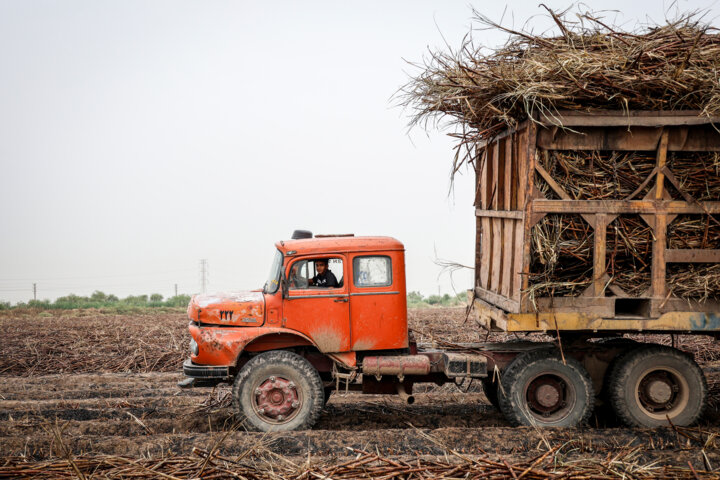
[{"x": 416, "y": 300}]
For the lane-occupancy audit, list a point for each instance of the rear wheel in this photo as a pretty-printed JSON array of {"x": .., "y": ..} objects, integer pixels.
[
  {"x": 651, "y": 384},
  {"x": 278, "y": 391},
  {"x": 538, "y": 389}
]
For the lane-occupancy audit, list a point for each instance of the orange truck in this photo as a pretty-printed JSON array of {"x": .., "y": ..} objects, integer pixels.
[{"x": 286, "y": 348}]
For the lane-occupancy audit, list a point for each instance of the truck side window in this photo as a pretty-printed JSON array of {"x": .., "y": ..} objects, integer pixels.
[
  {"x": 372, "y": 271},
  {"x": 303, "y": 273}
]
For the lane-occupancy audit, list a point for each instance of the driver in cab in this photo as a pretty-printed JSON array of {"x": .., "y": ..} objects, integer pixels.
[{"x": 324, "y": 278}]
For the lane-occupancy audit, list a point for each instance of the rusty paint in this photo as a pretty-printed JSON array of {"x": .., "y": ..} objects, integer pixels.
[
  {"x": 348, "y": 359},
  {"x": 397, "y": 365},
  {"x": 239, "y": 308},
  {"x": 222, "y": 346}
]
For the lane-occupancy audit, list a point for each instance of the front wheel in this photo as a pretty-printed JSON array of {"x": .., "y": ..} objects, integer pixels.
[
  {"x": 539, "y": 389},
  {"x": 651, "y": 384},
  {"x": 278, "y": 391}
]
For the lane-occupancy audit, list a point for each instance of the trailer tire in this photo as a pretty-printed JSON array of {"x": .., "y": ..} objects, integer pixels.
[
  {"x": 490, "y": 389},
  {"x": 538, "y": 389},
  {"x": 649, "y": 384},
  {"x": 278, "y": 391}
]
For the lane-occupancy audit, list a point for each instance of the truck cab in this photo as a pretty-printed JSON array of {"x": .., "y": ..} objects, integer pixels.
[{"x": 365, "y": 311}]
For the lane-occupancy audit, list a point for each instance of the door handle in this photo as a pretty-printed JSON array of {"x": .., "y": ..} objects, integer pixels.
[{"x": 338, "y": 300}]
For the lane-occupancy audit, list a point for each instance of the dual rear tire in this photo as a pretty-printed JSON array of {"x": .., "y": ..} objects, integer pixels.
[
  {"x": 646, "y": 386},
  {"x": 540, "y": 389},
  {"x": 650, "y": 385}
]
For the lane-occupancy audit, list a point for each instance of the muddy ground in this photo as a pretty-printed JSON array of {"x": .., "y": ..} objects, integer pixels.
[{"x": 108, "y": 382}]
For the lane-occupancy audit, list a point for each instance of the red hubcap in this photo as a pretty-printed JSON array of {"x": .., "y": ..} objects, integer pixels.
[{"x": 277, "y": 399}]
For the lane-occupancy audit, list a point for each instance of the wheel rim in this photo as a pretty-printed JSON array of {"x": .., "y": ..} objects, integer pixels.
[
  {"x": 276, "y": 400},
  {"x": 550, "y": 397},
  {"x": 662, "y": 392}
]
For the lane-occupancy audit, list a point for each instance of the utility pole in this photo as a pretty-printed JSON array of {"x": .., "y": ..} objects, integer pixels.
[
  {"x": 203, "y": 275},
  {"x": 176, "y": 289},
  {"x": 34, "y": 291}
]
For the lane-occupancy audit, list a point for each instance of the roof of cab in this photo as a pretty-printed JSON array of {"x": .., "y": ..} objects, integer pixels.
[{"x": 311, "y": 246}]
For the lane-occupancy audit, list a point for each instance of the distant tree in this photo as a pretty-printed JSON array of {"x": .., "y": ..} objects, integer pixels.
[
  {"x": 98, "y": 296},
  {"x": 156, "y": 298},
  {"x": 414, "y": 297},
  {"x": 434, "y": 299}
]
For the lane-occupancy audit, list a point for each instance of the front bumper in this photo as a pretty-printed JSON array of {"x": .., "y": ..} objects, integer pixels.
[{"x": 205, "y": 372}]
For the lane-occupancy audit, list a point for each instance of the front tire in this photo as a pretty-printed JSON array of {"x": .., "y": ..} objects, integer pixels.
[
  {"x": 278, "y": 391},
  {"x": 653, "y": 383},
  {"x": 538, "y": 389}
]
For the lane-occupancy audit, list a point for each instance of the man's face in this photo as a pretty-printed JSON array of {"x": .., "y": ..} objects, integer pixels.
[{"x": 321, "y": 267}]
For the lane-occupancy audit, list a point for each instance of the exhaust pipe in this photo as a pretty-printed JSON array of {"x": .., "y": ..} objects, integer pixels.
[{"x": 404, "y": 396}]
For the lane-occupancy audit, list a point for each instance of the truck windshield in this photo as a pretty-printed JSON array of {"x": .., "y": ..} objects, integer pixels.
[{"x": 273, "y": 282}]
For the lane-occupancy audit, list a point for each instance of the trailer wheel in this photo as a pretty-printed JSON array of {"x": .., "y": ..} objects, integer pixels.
[
  {"x": 490, "y": 389},
  {"x": 278, "y": 391},
  {"x": 650, "y": 384},
  {"x": 538, "y": 389}
]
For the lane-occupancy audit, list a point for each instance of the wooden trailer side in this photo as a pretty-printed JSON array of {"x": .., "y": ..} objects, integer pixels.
[
  {"x": 504, "y": 259},
  {"x": 501, "y": 173}
]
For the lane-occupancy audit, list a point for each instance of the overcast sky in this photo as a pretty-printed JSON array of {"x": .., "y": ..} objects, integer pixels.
[{"x": 139, "y": 137}]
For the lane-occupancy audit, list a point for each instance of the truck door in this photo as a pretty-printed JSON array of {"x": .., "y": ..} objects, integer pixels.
[
  {"x": 321, "y": 313},
  {"x": 378, "y": 306}
]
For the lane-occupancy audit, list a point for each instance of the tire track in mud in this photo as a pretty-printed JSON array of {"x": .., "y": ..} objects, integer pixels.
[{"x": 147, "y": 414}]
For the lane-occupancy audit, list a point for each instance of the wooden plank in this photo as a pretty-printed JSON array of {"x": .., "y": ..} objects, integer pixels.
[
  {"x": 697, "y": 139},
  {"x": 514, "y": 187},
  {"x": 658, "y": 283},
  {"x": 508, "y": 173},
  {"x": 497, "y": 301},
  {"x": 660, "y": 164},
  {"x": 692, "y": 256},
  {"x": 517, "y": 260},
  {"x": 621, "y": 206},
  {"x": 490, "y": 316},
  {"x": 498, "y": 213},
  {"x": 486, "y": 253},
  {"x": 499, "y": 176},
  {"x": 591, "y": 305},
  {"x": 509, "y": 131},
  {"x": 679, "y": 322},
  {"x": 478, "y": 250},
  {"x": 479, "y": 169},
  {"x": 487, "y": 179},
  {"x": 497, "y": 253},
  {"x": 521, "y": 142},
  {"x": 599, "y": 260},
  {"x": 507, "y": 256},
  {"x": 531, "y": 151},
  {"x": 609, "y": 118}
]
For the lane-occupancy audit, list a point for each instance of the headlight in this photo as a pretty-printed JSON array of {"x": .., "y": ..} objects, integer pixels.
[{"x": 194, "y": 347}]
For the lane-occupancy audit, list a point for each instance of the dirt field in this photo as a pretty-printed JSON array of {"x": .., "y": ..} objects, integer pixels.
[{"x": 83, "y": 385}]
